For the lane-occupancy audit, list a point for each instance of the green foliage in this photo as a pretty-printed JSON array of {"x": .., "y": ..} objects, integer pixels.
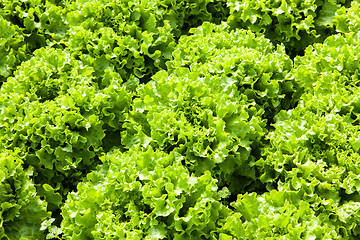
[
  {"x": 24, "y": 27},
  {"x": 11, "y": 48},
  {"x": 347, "y": 19},
  {"x": 154, "y": 197},
  {"x": 278, "y": 215},
  {"x": 135, "y": 38},
  {"x": 296, "y": 24},
  {"x": 21, "y": 209},
  {"x": 316, "y": 144},
  {"x": 56, "y": 115},
  {"x": 170, "y": 119},
  {"x": 188, "y": 121},
  {"x": 260, "y": 71},
  {"x": 217, "y": 112}
]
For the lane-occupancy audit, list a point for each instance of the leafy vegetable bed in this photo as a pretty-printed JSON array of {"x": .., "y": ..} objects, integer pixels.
[{"x": 179, "y": 119}]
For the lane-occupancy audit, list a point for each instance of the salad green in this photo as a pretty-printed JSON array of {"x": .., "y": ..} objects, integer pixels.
[{"x": 169, "y": 119}]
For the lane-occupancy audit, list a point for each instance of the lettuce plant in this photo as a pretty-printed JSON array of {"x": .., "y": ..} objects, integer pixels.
[
  {"x": 296, "y": 24},
  {"x": 226, "y": 89},
  {"x": 317, "y": 142},
  {"x": 24, "y": 27},
  {"x": 277, "y": 215},
  {"x": 21, "y": 209},
  {"x": 154, "y": 197},
  {"x": 55, "y": 114},
  {"x": 212, "y": 136},
  {"x": 260, "y": 71},
  {"x": 11, "y": 48},
  {"x": 134, "y": 37}
]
